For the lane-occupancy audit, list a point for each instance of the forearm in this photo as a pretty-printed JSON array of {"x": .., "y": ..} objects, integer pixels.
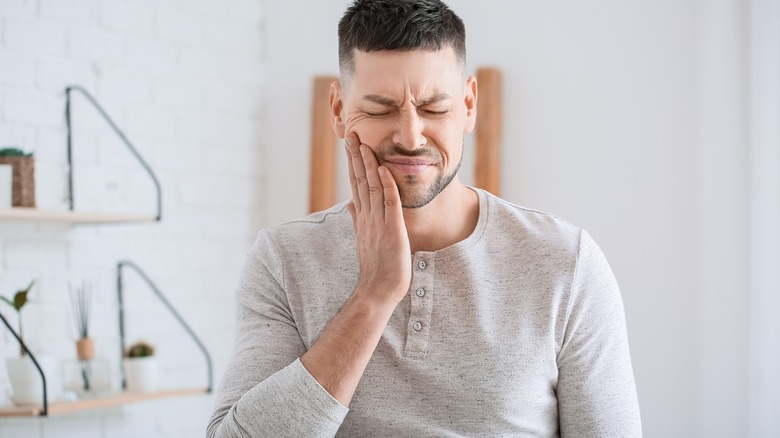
[
  {"x": 339, "y": 357},
  {"x": 290, "y": 403},
  {"x": 265, "y": 391}
]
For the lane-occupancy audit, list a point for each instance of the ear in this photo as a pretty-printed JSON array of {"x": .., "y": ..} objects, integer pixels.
[
  {"x": 336, "y": 109},
  {"x": 470, "y": 100}
]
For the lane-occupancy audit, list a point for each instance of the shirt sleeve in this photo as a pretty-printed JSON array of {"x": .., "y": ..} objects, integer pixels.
[
  {"x": 266, "y": 391},
  {"x": 596, "y": 390}
]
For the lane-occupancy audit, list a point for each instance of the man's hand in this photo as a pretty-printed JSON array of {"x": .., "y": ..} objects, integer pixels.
[
  {"x": 382, "y": 244},
  {"x": 340, "y": 356}
]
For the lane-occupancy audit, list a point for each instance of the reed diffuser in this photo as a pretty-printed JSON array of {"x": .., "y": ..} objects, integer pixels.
[{"x": 81, "y": 305}]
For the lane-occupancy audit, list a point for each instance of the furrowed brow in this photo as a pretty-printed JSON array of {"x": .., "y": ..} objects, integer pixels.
[
  {"x": 435, "y": 98},
  {"x": 384, "y": 101}
]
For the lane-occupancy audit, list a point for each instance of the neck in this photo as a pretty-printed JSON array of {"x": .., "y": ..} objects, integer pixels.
[{"x": 450, "y": 218}]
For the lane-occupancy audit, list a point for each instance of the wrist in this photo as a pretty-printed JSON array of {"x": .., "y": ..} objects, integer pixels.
[{"x": 375, "y": 301}]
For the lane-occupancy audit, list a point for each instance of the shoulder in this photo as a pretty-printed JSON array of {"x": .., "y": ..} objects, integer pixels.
[
  {"x": 317, "y": 232},
  {"x": 510, "y": 221},
  {"x": 330, "y": 219}
]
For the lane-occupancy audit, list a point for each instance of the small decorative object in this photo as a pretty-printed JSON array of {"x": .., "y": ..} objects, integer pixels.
[
  {"x": 87, "y": 375},
  {"x": 81, "y": 304},
  {"x": 6, "y": 185},
  {"x": 23, "y": 165},
  {"x": 142, "y": 369},
  {"x": 25, "y": 379}
]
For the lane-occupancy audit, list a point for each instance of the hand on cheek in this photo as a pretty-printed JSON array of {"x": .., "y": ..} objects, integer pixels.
[{"x": 382, "y": 244}]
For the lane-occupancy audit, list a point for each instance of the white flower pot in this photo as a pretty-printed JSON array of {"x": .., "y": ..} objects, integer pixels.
[
  {"x": 26, "y": 381},
  {"x": 142, "y": 373}
]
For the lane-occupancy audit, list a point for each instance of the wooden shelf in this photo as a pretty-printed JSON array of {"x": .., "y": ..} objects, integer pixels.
[
  {"x": 68, "y": 216},
  {"x": 97, "y": 403}
]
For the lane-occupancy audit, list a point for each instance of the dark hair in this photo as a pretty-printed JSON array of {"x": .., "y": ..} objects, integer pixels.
[{"x": 376, "y": 25}]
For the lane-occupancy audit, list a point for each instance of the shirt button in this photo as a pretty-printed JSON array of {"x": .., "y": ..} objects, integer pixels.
[
  {"x": 421, "y": 264},
  {"x": 420, "y": 292},
  {"x": 417, "y": 326}
]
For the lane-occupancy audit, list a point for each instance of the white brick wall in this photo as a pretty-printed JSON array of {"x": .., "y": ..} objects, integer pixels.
[
  {"x": 38, "y": 36},
  {"x": 184, "y": 80}
]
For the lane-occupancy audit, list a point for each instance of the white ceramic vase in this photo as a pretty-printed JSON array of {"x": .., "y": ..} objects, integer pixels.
[
  {"x": 142, "y": 373},
  {"x": 26, "y": 381}
]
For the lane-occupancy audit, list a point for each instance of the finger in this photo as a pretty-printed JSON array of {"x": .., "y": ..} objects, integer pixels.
[
  {"x": 351, "y": 209},
  {"x": 375, "y": 191},
  {"x": 361, "y": 182},
  {"x": 392, "y": 198},
  {"x": 349, "y": 142}
]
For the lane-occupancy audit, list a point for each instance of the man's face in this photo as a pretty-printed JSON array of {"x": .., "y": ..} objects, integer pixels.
[{"x": 412, "y": 109}]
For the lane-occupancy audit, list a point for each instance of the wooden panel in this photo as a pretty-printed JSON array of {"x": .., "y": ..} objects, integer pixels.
[
  {"x": 487, "y": 172},
  {"x": 322, "y": 193}
]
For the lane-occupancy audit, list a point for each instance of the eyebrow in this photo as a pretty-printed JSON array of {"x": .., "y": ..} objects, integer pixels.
[{"x": 386, "y": 101}]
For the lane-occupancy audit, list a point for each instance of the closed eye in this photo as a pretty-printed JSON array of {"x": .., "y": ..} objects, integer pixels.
[
  {"x": 436, "y": 113},
  {"x": 377, "y": 114}
]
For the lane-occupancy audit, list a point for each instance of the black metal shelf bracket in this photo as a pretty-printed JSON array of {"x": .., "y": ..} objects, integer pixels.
[
  {"x": 127, "y": 264},
  {"x": 116, "y": 130},
  {"x": 45, "y": 410}
]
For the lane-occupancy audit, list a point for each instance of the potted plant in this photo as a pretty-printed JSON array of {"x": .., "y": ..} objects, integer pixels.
[
  {"x": 25, "y": 379},
  {"x": 142, "y": 369},
  {"x": 18, "y": 302},
  {"x": 23, "y": 179}
]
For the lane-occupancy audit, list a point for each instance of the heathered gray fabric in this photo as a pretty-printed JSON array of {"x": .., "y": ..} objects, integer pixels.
[{"x": 521, "y": 333}]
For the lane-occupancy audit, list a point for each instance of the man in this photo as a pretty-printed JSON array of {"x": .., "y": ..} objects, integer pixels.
[{"x": 423, "y": 307}]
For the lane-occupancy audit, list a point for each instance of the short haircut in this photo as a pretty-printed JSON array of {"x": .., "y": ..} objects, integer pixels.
[{"x": 403, "y": 25}]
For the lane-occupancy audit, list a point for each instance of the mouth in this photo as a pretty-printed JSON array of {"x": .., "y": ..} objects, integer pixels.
[{"x": 411, "y": 166}]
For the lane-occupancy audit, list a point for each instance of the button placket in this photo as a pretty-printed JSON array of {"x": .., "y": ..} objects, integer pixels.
[{"x": 419, "y": 325}]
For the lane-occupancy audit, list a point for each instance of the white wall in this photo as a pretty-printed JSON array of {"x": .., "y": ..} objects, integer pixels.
[
  {"x": 764, "y": 183},
  {"x": 629, "y": 119},
  {"x": 184, "y": 79},
  {"x": 722, "y": 208}
]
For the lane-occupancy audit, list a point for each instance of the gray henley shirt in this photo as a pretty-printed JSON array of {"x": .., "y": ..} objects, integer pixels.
[{"x": 518, "y": 330}]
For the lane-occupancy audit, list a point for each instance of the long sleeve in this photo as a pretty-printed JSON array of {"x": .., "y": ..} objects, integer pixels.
[
  {"x": 266, "y": 391},
  {"x": 596, "y": 390}
]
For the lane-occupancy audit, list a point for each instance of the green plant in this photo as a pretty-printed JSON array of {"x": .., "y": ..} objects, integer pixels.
[
  {"x": 13, "y": 152},
  {"x": 140, "y": 349},
  {"x": 19, "y": 300}
]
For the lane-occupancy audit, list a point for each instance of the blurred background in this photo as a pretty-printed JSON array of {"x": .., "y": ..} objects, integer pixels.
[{"x": 652, "y": 124}]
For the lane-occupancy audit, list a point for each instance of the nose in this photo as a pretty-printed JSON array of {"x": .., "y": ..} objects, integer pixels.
[{"x": 409, "y": 131}]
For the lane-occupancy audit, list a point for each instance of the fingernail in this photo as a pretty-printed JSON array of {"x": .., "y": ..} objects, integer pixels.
[
  {"x": 362, "y": 150},
  {"x": 348, "y": 141}
]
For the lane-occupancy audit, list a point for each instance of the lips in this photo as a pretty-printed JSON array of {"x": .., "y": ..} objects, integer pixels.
[{"x": 408, "y": 165}]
